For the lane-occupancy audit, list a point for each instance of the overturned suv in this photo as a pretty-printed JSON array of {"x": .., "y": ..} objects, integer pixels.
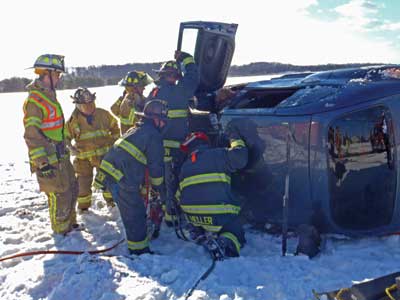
[{"x": 333, "y": 133}]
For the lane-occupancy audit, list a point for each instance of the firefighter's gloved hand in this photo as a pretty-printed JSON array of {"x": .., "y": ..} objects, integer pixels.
[
  {"x": 46, "y": 170},
  {"x": 180, "y": 56},
  {"x": 233, "y": 130}
]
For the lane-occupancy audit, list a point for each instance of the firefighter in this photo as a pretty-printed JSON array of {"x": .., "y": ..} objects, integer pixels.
[
  {"x": 132, "y": 100},
  {"x": 205, "y": 192},
  {"x": 177, "y": 90},
  {"x": 93, "y": 131},
  {"x": 135, "y": 156},
  {"x": 44, "y": 136}
]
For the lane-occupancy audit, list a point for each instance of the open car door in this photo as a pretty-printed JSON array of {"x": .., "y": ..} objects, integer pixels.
[{"x": 213, "y": 45}]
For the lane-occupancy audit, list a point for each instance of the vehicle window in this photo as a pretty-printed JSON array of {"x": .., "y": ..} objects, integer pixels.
[
  {"x": 263, "y": 98},
  {"x": 189, "y": 38},
  {"x": 362, "y": 173}
]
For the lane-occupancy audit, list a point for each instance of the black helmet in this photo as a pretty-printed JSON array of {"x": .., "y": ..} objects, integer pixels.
[
  {"x": 136, "y": 78},
  {"x": 169, "y": 67},
  {"x": 155, "y": 109},
  {"x": 83, "y": 95}
]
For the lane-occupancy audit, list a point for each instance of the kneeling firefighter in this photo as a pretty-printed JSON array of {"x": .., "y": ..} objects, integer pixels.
[
  {"x": 132, "y": 100},
  {"x": 93, "y": 131},
  {"x": 138, "y": 154},
  {"x": 205, "y": 192},
  {"x": 44, "y": 136}
]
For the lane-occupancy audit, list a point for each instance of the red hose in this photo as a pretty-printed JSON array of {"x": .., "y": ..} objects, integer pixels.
[{"x": 31, "y": 253}]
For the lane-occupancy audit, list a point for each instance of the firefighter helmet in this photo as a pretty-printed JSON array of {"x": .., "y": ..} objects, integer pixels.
[
  {"x": 136, "y": 79},
  {"x": 169, "y": 68},
  {"x": 83, "y": 95},
  {"x": 155, "y": 109},
  {"x": 51, "y": 62},
  {"x": 193, "y": 140}
]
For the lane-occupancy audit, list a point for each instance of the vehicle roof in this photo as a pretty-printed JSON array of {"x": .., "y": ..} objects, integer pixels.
[{"x": 330, "y": 90}]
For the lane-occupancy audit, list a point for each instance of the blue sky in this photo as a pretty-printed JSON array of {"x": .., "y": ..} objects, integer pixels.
[
  {"x": 376, "y": 19},
  {"x": 99, "y": 32}
]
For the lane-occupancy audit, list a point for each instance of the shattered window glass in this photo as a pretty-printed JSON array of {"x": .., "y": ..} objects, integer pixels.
[{"x": 311, "y": 95}]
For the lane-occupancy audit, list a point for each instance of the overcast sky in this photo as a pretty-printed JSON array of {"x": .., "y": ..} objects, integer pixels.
[{"x": 98, "y": 32}]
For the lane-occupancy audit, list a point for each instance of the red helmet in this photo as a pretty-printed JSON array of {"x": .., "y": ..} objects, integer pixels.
[{"x": 193, "y": 137}]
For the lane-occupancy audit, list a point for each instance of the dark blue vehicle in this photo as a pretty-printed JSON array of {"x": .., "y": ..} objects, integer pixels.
[{"x": 340, "y": 127}]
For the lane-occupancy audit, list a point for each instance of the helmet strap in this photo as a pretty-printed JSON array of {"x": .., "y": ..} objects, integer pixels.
[{"x": 51, "y": 80}]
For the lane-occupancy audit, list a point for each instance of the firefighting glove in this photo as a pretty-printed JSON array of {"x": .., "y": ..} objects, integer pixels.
[
  {"x": 232, "y": 130},
  {"x": 47, "y": 171},
  {"x": 180, "y": 56}
]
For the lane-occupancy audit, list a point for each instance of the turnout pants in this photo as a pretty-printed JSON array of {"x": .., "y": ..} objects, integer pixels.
[
  {"x": 226, "y": 225},
  {"x": 61, "y": 191},
  {"x": 133, "y": 214},
  {"x": 84, "y": 171},
  {"x": 172, "y": 165}
]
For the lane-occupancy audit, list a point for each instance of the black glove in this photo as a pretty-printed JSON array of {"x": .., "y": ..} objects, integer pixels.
[
  {"x": 47, "y": 171},
  {"x": 232, "y": 130}
]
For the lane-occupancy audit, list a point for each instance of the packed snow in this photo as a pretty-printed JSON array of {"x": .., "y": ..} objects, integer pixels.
[{"x": 260, "y": 273}]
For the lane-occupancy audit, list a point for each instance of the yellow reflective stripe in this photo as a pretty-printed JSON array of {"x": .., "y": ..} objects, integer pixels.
[
  {"x": 97, "y": 185},
  {"x": 178, "y": 195},
  {"x": 52, "y": 209},
  {"x": 157, "y": 180},
  {"x": 94, "y": 134},
  {"x": 204, "y": 178},
  {"x": 85, "y": 199},
  {"x": 233, "y": 238},
  {"x": 52, "y": 159},
  {"x": 33, "y": 121},
  {"x": 90, "y": 154},
  {"x": 132, "y": 115},
  {"x": 40, "y": 105},
  {"x": 167, "y": 158},
  {"x": 172, "y": 144},
  {"x": 107, "y": 195},
  {"x": 188, "y": 60},
  {"x": 132, "y": 150},
  {"x": 237, "y": 143},
  {"x": 125, "y": 121},
  {"x": 177, "y": 113},
  {"x": 109, "y": 169},
  {"x": 58, "y": 227},
  {"x": 37, "y": 152},
  {"x": 138, "y": 245},
  {"x": 211, "y": 228},
  {"x": 211, "y": 209}
]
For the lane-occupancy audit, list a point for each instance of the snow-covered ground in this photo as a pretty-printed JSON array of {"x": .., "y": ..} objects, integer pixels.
[{"x": 260, "y": 273}]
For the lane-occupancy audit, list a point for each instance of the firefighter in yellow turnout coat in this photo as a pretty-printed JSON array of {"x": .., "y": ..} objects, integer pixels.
[
  {"x": 133, "y": 100},
  {"x": 44, "y": 136},
  {"x": 93, "y": 131}
]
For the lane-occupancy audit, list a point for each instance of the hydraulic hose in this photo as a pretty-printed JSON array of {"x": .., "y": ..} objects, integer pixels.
[{"x": 68, "y": 252}]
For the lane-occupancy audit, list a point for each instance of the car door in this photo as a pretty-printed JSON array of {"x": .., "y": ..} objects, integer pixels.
[{"x": 213, "y": 45}]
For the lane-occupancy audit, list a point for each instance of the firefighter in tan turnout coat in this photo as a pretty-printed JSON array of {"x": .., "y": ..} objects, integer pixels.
[
  {"x": 132, "y": 100},
  {"x": 93, "y": 131},
  {"x": 44, "y": 136}
]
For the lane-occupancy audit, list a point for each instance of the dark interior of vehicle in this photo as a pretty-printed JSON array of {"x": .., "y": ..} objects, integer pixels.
[{"x": 262, "y": 98}]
